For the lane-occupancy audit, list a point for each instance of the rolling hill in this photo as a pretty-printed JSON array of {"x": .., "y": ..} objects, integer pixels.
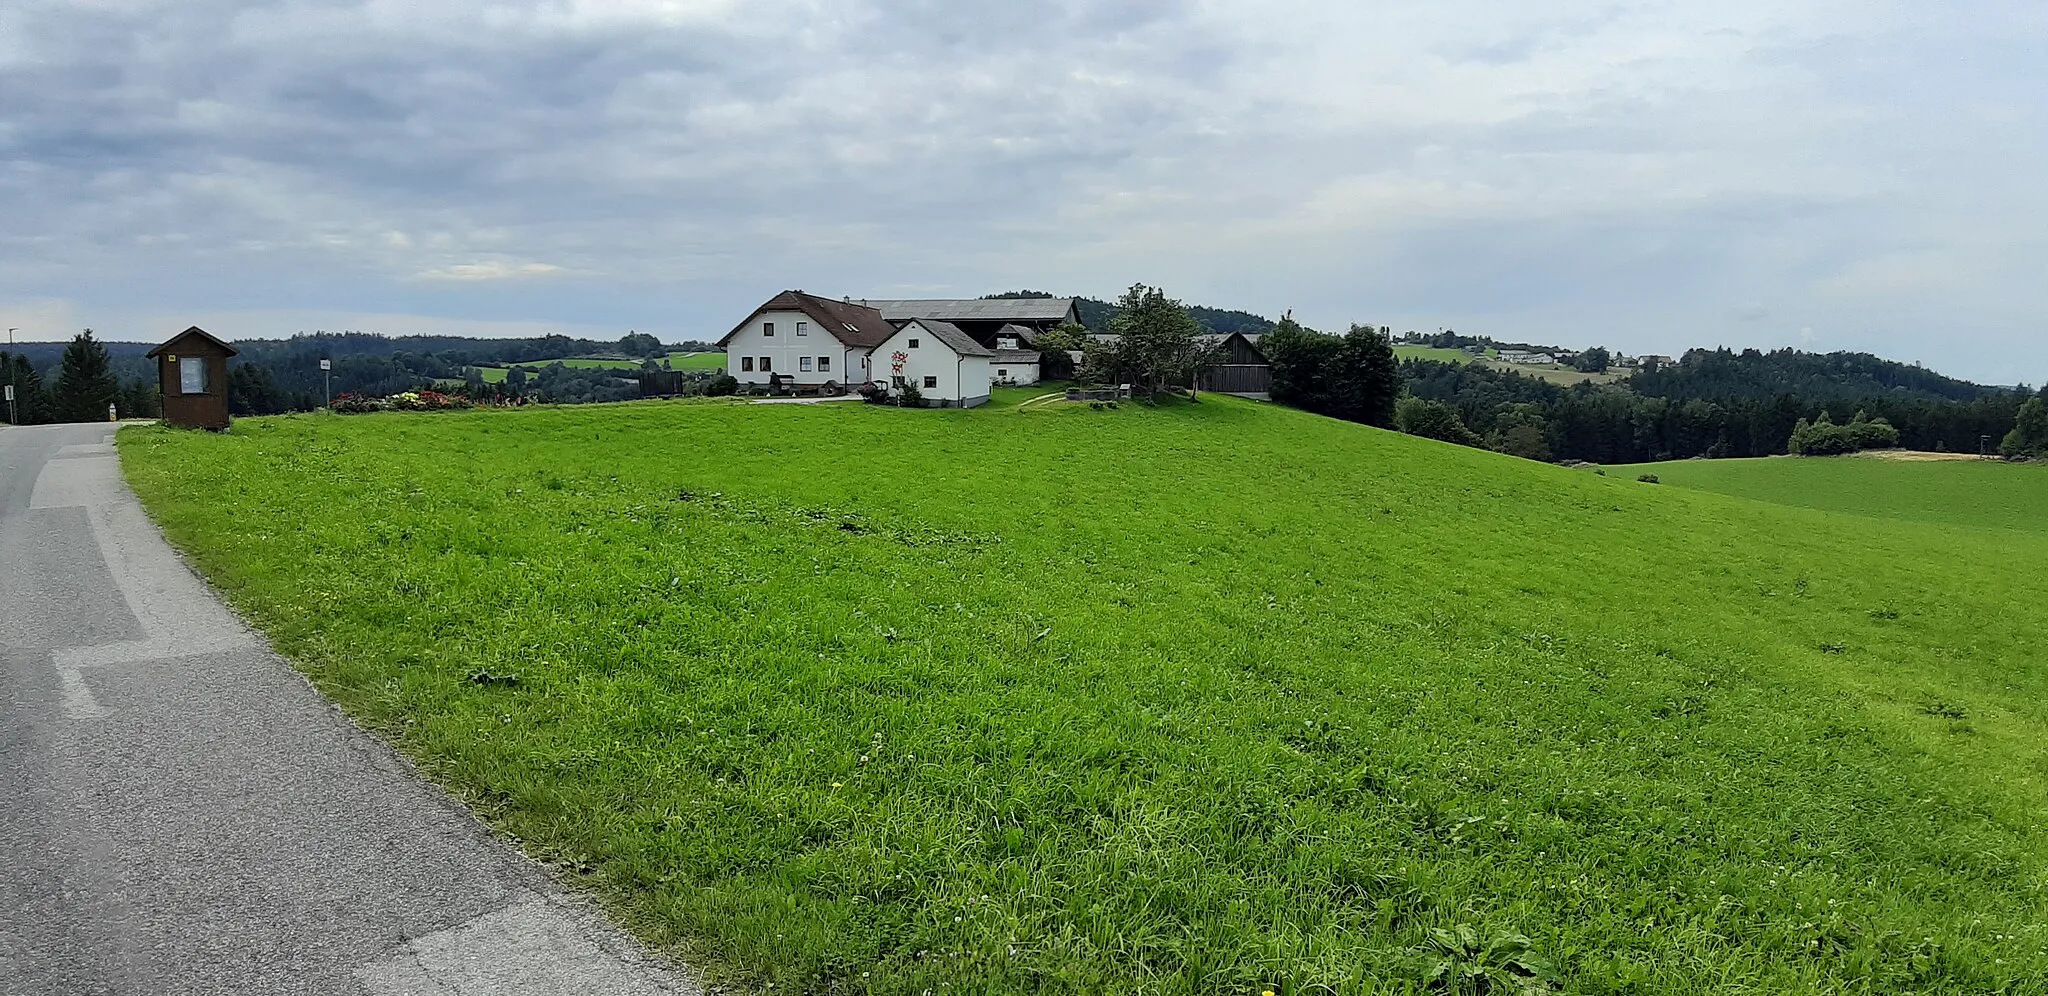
[{"x": 1204, "y": 698}]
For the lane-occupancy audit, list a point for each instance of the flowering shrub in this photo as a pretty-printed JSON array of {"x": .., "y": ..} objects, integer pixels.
[
  {"x": 428, "y": 401},
  {"x": 354, "y": 404},
  {"x": 410, "y": 401}
]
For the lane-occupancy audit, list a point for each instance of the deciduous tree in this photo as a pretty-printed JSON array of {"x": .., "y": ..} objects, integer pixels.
[{"x": 2029, "y": 437}]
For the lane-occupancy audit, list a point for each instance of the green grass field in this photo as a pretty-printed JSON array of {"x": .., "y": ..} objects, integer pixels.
[
  {"x": 1562, "y": 375},
  {"x": 1409, "y": 352},
  {"x": 677, "y": 361},
  {"x": 1955, "y": 492},
  {"x": 1212, "y": 698},
  {"x": 1554, "y": 373}
]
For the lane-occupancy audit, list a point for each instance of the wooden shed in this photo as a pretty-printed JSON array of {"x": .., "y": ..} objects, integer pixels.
[
  {"x": 192, "y": 370},
  {"x": 1240, "y": 369}
]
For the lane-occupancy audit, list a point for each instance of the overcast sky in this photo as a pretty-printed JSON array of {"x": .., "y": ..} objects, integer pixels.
[{"x": 1651, "y": 175}]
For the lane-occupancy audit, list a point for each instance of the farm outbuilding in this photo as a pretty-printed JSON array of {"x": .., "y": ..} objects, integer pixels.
[
  {"x": 1241, "y": 370},
  {"x": 945, "y": 365},
  {"x": 192, "y": 372}
]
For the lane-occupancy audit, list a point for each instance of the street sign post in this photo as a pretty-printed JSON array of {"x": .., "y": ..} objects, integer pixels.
[{"x": 327, "y": 380}]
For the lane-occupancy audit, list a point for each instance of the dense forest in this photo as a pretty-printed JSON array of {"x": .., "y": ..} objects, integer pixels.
[{"x": 1719, "y": 403}]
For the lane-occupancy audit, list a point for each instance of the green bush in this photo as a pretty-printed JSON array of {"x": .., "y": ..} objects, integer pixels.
[
  {"x": 1434, "y": 420},
  {"x": 1649, "y": 479},
  {"x": 1822, "y": 437},
  {"x": 722, "y": 386},
  {"x": 2029, "y": 435}
]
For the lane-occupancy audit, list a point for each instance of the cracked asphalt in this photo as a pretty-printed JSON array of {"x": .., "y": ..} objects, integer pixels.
[{"x": 181, "y": 812}]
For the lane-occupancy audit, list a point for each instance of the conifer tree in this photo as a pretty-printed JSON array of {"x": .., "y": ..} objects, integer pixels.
[{"x": 85, "y": 382}]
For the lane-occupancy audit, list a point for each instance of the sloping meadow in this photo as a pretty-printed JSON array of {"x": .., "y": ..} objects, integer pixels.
[{"x": 1208, "y": 698}]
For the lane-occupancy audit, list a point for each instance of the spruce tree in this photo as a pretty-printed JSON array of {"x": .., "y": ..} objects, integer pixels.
[
  {"x": 31, "y": 402},
  {"x": 85, "y": 382}
]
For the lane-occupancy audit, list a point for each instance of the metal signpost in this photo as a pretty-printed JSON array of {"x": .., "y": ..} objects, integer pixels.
[
  {"x": 11, "y": 362},
  {"x": 327, "y": 380}
]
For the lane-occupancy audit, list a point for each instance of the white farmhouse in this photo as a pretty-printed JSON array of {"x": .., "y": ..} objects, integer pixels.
[
  {"x": 805, "y": 340},
  {"x": 946, "y": 366}
]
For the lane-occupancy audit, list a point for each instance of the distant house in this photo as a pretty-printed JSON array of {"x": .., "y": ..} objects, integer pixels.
[
  {"x": 946, "y": 366},
  {"x": 1242, "y": 369},
  {"x": 1527, "y": 357},
  {"x": 805, "y": 340}
]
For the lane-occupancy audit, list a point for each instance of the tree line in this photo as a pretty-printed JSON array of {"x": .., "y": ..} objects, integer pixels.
[
  {"x": 82, "y": 388},
  {"x": 270, "y": 376},
  {"x": 1709, "y": 403},
  {"x": 1694, "y": 408}
]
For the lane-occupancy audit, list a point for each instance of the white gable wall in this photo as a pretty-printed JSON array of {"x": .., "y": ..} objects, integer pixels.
[
  {"x": 958, "y": 380},
  {"x": 786, "y": 351},
  {"x": 1020, "y": 374}
]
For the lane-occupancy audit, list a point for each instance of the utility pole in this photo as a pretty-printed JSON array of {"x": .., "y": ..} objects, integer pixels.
[{"x": 12, "y": 419}]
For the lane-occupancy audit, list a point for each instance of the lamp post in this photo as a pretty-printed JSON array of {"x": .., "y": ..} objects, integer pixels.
[{"x": 12, "y": 419}]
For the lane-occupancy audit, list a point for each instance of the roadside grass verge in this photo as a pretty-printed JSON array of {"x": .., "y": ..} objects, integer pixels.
[{"x": 1207, "y": 698}]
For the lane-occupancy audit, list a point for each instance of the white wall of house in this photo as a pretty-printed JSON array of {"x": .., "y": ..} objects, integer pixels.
[
  {"x": 938, "y": 373},
  {"x": 794, "y": 351},
  {"x": 1020, "y": 374}
]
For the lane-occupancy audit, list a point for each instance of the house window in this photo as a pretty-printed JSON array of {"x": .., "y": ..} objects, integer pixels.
[
  {"x": 764, "y": 365},
  {"x": 931, "y": 382},
  {"x": 1002, "y": 372},
  {"x": 824, "y": 363},
  {"x": 913, "y": 343},
  {"x": 746, "y": 364},
  {"x": 804, "y": 364},
  {"x": 192, "y": 375},
  {"x": 803, "y": 328},
  {"x": 768, "y": 329}
]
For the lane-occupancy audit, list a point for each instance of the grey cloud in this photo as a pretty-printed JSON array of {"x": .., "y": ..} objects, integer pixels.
[{"x": 1538, "y": 171}]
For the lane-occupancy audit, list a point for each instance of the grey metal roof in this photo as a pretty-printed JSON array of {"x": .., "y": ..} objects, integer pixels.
[
  {"x": 1016, "y": 309},
  {"x": 956, "y": 340},
  {"x": 1016, "y": 356}
]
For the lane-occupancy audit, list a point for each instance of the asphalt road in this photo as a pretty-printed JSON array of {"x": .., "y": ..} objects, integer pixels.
[{"x": 180, "y": 812}]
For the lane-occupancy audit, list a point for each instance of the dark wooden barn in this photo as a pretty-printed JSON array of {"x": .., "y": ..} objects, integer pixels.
[
  {"x": 192, "y": 370},
  {"x": 1242, "y": 369}
]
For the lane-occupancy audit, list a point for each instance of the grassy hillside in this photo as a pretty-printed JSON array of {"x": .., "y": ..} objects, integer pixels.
[
  {"x": 1403, "y": 351},
  {"x": 677, "y": 361},
  {"x": 1954, "y": 492},
  {"x": 1204, "y": 699}
]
